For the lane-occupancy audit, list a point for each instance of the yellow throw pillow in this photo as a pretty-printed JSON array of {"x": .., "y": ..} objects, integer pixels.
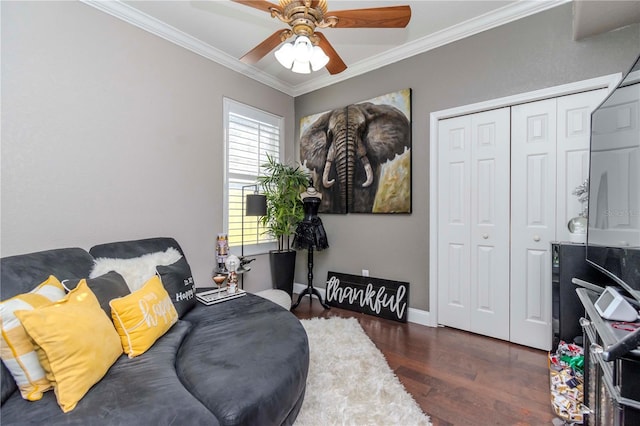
[
  {"x": 76, "y": 343},
  {"x": 143, "y": 316},
  {"x": 16, "y": 349}
]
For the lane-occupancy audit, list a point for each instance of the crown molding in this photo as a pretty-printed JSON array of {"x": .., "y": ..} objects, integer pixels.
[
  {"x": 485, "y": 22},
  {"x": 504, "y": 15},
  {"x": 154, "y": 26}
]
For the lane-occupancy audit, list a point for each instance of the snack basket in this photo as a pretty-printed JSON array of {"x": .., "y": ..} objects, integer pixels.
[{"x": 566, "y": 380}]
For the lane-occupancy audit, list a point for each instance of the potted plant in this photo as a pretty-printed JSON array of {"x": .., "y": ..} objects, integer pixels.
[{"x": 282, "y": 185}]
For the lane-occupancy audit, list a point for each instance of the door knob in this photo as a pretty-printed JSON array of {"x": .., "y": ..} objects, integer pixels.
[
  {"x": 536, "y": 238},
  {"x": 485, "y": 236}
]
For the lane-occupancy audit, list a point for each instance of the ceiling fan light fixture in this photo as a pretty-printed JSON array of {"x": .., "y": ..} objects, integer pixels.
[
  {"x": 303, "y": 49},
  {"x": 301, "y": 67},
  {"x": 285, "y": 55},
  {"x": 301, "y": 56},
  {"x": 318, "y": 58}
]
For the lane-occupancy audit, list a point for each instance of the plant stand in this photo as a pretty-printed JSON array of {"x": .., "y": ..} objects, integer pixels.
[{"x": 310, "y": 290}]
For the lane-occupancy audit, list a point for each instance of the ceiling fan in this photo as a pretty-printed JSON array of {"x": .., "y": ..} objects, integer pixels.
[{"x": 305, "y": 16}]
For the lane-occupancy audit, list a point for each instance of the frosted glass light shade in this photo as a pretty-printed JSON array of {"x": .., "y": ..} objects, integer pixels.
[
  {"x": 303, "y": 49},
  {"x": 301, "y": 67},
  {"x": 285, "y": 55},
  {"x": 318, "y": 58}
]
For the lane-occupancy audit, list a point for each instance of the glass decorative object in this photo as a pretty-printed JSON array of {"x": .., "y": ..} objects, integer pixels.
[{"x": 578, "y": 225}]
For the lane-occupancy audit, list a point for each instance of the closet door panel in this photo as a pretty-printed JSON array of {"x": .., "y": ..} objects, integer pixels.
[
  {"x": 489, "y": 278},
  {"x": 454, "y": 263},
  {"x": 533, "y": 217},
  {"x": 574, "y": 135}
]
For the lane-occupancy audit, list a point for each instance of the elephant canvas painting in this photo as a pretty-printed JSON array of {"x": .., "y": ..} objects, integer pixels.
[{"x": 359, "y": 156}]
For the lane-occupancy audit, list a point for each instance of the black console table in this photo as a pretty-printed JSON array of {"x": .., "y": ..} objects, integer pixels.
[
  {"x": 569, "y": 262},
  {"x": 611, "y": 388}
]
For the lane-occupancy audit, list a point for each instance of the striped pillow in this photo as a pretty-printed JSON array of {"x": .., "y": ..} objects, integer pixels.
[{"x": 16, "y": 348}]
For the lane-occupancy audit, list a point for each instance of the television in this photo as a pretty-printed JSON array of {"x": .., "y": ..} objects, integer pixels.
[{"x": 613, "y": 225}]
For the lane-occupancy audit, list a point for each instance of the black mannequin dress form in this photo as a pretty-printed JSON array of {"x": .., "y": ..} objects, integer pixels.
[{"x": 310, "y": 235}]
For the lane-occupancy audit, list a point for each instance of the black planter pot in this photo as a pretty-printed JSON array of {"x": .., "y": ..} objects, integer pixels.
[{"x": 283, "y": 264}]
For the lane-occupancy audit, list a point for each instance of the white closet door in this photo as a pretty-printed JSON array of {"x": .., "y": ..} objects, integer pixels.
[
  {"x": 574, "y": 135},
  {"x": 490, "y": 182},
  {"x": 473, "y": 190},
  {"x": 454, "y": 228},
  {"x": 533, "y": 216}
]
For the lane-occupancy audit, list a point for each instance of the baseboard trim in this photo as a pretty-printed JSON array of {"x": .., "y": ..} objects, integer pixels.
[{"x": 416, "y": 316}]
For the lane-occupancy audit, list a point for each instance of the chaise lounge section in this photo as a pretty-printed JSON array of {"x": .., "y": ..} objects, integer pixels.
[{"x": 240, "y": 362}]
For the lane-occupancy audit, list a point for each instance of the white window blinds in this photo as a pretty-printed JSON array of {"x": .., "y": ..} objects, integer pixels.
[{"x": 250, "y": 135}]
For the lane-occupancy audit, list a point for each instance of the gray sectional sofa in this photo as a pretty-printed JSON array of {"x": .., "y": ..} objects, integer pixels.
[{"x": 240, "y": 362}]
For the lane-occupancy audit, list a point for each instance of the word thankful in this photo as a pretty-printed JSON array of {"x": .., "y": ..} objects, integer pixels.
[{"x": 368, "y": 297}]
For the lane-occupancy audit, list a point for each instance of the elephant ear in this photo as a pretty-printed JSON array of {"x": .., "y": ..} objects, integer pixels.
[
  {"x": 388, "y": 131},
  {"x": 315, "y": 142}
]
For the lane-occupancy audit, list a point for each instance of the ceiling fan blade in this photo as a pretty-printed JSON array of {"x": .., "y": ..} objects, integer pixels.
[
  {"x": 270, "y": 43},
  {"x": 263, "y": 5},
  {"x": 377, "y": 17},
  {"x": 335, "y": 65}
]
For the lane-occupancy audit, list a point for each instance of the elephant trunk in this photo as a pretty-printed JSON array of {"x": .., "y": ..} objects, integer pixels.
[
  {"x": 345, "y": 165},
  {"x": 339, "y": 153}
]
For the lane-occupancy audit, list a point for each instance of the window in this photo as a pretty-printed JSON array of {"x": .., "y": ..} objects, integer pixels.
[{"x": 250, "y": 134}]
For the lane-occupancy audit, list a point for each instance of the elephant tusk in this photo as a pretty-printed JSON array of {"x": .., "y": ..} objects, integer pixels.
[
  {"x": 325, "y": 175},
  {"x": 327, "y": 168},
  {"x": 368, "y": 171}
]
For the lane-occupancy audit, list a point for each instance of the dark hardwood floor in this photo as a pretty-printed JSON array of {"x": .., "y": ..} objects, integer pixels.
[{"x": 458, "y": 378}]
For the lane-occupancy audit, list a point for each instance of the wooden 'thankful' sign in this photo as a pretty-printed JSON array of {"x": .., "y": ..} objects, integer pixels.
[{"x": 373, "y": 296}]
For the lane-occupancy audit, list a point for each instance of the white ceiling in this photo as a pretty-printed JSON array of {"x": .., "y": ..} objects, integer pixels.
[
  {"x": 223, "y": 31},
  {"x": 590, "y": 18}
]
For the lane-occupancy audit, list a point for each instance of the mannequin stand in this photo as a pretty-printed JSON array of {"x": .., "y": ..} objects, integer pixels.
[{"x": 310, "y": 290}]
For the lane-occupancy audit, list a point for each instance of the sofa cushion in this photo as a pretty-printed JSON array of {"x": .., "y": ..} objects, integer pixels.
[
  {"x": 143, "y": 316},
  {"x": 260, "y": 354},
  {"x": 142, "y": 390},
  {"x": 76, "y": 343},
  {"x": 16, "y": 348},
  {"x": 22, "y": 273},
  {"x": 105, "y": 287},
  {"x": 178, "y": 281}
]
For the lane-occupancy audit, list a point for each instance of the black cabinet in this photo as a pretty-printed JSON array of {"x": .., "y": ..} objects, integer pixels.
[{"x": 568, "y": 262}]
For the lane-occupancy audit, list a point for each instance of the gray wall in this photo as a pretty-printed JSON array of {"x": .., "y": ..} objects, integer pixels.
[
  {"x": 110, "y": 133},
  {"x": 529, "y": 54}
]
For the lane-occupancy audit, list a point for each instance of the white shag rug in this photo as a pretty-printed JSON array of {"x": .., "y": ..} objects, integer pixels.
[{"x": 350, "y": 382}]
